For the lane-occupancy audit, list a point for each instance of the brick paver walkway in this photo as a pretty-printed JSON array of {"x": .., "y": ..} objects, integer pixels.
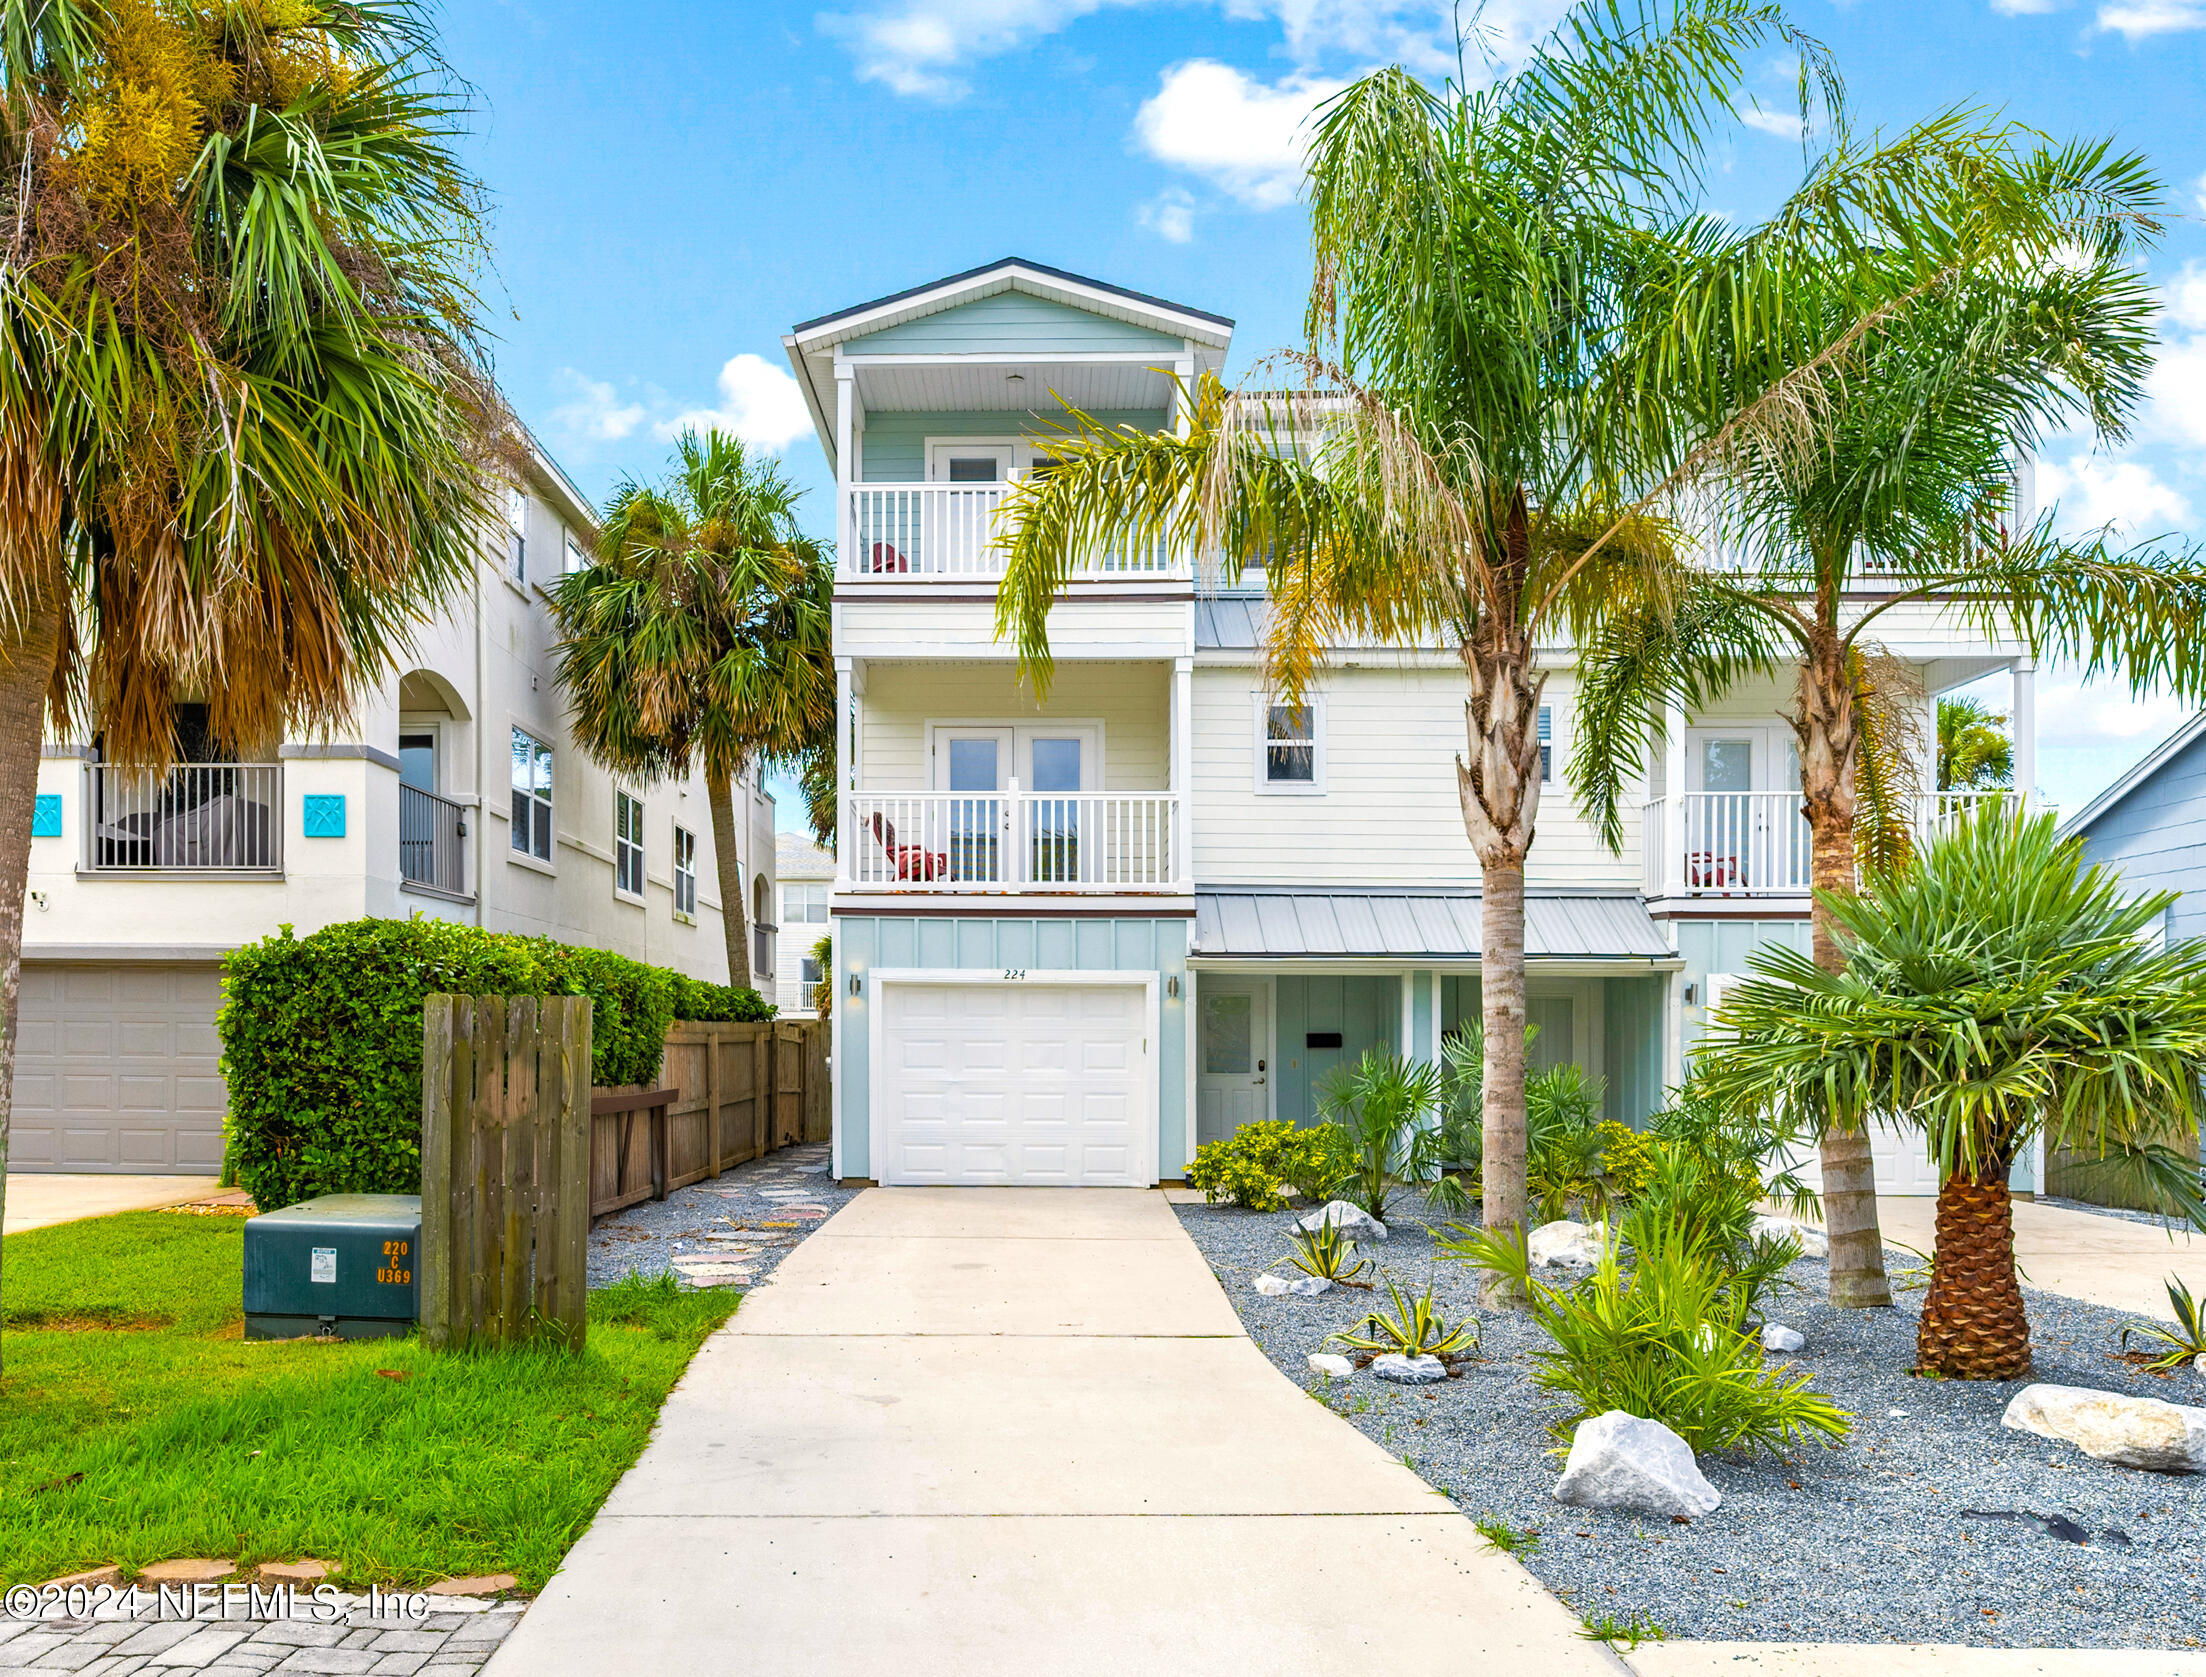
[{"x": 451, "y": 1641}]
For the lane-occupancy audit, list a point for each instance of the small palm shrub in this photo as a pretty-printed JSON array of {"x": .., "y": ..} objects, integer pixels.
[
  {"x": 1385, "y": 1109},
  {"x": 1706, "y": 1206},
  {"x": 2183, "y": 1343},
  {"x": 1666, "y": 1340},
  {"x": 1329, "y": 1255},
  {"x": 1247, "y": 1167},
  {"x": 1415, "y": 1328},
  {"x": 1572, "y": 1156}
]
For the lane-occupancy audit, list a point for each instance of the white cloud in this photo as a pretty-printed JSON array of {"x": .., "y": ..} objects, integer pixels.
[
  {"x": 1233, "y": 130},
  {"x": 1786, "y": 125},
  {"x": 918, "y": 47},
  {"x": 1170, "y": 215},
  {"x": 2092, "y": 492},
  {"x": 759, "y": 402},
  {"x": 2026, "y": 8},
  {"x": 2185, "y": 296},
  {"x": 593, "y": 411},
  {"x": 2144, "y": 18}
]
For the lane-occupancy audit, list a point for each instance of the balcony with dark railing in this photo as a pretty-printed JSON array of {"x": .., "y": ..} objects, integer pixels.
[
  {"x": 211, "y": 818},
  {"x": 432, "y": 842}
]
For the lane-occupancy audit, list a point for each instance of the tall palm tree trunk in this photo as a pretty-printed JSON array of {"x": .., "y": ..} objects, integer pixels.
[
  {"x": 727, "y": 861},
  {"x": 1828, "y": 730},
  {"x": 26, "y": 674},
  {"x": 1974, "y": 1326}
]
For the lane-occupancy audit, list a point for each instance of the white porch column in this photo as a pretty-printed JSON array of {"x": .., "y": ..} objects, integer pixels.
[
  {"x": 1673, "y": 800},
  {"x": 846, "y": 404},
  {"x": 1183, "y": 812},
  {"x": 846, "y": 763},
  {"x": 2022, "y": 718}
]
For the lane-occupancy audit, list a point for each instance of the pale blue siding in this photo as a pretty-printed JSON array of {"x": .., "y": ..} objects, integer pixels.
[
  {"x": 988, "y": 945},
  {"x": 2157, "y": 837},
  {"x": 1010, "y": 323},
  {"x": 1724, "y": 946},
  {"x": 1631, "y": 1047},
  {"x": 894, "y": 447}
]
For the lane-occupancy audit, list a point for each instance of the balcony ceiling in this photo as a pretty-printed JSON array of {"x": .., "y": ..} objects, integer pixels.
[{"x": 1093, "y": 386}]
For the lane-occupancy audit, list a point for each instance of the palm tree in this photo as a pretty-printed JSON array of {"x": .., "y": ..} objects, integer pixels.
[
  {"x": 701, "y": 637},
  {"x": 1904, "y": 502},
  {"x": 244, "y": 418},
  {"x": 1996, "y": 991},
  {"x": 1974, "y": 751}
]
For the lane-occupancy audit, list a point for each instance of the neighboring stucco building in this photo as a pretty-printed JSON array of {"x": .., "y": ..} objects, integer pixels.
[
  {"x": 807, "y": 875},
  {"x": 1075, "y": 938},
  {"x": 460, "y": 796}
]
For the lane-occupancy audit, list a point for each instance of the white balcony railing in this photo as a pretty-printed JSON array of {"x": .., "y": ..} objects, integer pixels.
[
  {"x": 948, "y": 530},
  {"x": 1012, "y": 841},
  {"x": 198, "y": 817},
  {"x": 1755, "y": 844}
]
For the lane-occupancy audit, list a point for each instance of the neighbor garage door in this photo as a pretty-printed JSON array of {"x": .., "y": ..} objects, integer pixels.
[
  {"x": 116, "y": 1069},
  {"x": 1039, "y": 1084}
]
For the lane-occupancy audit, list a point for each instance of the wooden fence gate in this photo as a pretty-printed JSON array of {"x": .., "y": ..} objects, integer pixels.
[{"x": 505, "y": 1160}]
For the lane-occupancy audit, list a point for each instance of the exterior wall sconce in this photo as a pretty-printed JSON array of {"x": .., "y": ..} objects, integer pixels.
[
  {"x": 857, "y": 985},
  {"x": 1172, "y": 988}
]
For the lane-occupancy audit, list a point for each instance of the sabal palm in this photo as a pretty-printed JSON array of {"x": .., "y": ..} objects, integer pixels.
[
  {"x": 1902, "y": 502},
  {"x": 1996, "y": 991},
  {"x": 243, "y": 421},
  {"x": 1486, "y": 411},
  {"x": 700, "y": 637}
]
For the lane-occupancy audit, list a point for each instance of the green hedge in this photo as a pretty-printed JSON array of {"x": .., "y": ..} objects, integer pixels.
[{"x": 321, "y": 1039}]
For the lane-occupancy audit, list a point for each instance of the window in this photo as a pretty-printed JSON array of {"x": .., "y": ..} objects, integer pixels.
[
  {"x": 685, "y": 872},
  {"x": 532, "y": 796},
  {"x": 808, "y": 972},
  {"x": 1290, "y": 746},
  {"x": 577, "y": 559},
  {"x": 804, "y": 905},
  {"x": 762, "y": 931},
  {"x": 517, "y": 540},
  {"x": 1547, "y": 744},
  {"x": 627, "y": 845}
]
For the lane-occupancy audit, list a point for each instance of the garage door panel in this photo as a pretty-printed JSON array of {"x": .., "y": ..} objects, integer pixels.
[
  {"x": 118, "y": 1069},
  {"x": 1043, "y": 1084}
]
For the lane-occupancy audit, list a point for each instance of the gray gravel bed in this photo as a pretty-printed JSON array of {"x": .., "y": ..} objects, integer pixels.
[
  {"x": 2120, "y": 1213},
  {"x": 729, "y": 1231},
  {"x": 1879, "y": 1539}
]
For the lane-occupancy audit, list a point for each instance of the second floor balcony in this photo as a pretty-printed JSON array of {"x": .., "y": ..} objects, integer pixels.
[
  {"x": 1014, "y": 841},
  {"x": 208, "y": 818},
  {"x": 948, "y": 531},
  {"x": 1757, "y": 844}
]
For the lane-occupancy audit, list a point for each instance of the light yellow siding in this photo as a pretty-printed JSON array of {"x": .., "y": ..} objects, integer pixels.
[{"x": 1131, "y": 702}]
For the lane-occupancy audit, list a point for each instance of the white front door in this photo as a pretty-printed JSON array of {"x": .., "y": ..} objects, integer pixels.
[
  {"x": 1233, "y": 1086},
  {"x": 1031, "y": 1084}
]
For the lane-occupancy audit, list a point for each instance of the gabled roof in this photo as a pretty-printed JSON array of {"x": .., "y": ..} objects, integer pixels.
[
  {"x": 2154, "y": 760},
  {"x": 1014, "y": 273}
]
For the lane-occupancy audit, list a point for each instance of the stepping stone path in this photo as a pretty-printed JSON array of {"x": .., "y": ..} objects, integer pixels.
[{"x": 728, "y": 1231}]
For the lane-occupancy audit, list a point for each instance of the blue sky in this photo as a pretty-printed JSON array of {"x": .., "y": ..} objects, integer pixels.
[{"x": 676, "y": 183}]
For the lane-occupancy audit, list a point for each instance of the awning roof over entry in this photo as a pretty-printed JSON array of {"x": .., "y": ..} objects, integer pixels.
[{"x": 1418, "y": 925}]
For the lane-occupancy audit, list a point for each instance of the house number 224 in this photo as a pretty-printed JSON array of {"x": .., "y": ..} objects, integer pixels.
[{"x": 1013, "y": 974}]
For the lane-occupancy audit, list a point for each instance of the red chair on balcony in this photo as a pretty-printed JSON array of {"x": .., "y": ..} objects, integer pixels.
[
  {"x": 886, "y": 558},
  {"x": 912, "y": 861},
  {"x": 1705, "y": 870}
]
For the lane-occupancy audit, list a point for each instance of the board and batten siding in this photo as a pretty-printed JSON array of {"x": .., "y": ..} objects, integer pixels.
[
  {"x": 893, "y": 446},
  {"x": 1011, "y": 323},
  {"x": 1389, "y": 814},
  {"x": 978, "y": 943},
  {"x": 904, "y": 627},
  {"x": 2157, "y": 837},
  {"x": 1131, "y": 701}
]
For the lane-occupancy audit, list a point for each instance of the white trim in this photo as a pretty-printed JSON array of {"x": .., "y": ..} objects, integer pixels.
[
  {"x": 1023, "y": 734},
  {"x": 1151, "y": 983},
  {"x": 1013, "y": 276},
  {"x": 1146, "y": 358},
  {"x": 1260, "y": 717}
]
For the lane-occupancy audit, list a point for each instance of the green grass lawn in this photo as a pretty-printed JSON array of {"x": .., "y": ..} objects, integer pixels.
[{"x": 138, "y": 1424}]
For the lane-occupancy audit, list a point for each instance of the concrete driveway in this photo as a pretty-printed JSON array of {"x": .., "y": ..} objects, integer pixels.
[
  {"x": 2102, "y": 1260},
  {"x": 38, "y": 1199},
  {"x": 1000, "y": 1430}
]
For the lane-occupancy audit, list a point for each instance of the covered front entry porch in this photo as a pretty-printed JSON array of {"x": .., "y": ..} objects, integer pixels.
[{"x": 1277, "y": 1012}]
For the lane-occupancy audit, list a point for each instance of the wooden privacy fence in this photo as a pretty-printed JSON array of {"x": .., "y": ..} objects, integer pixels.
[
  {"x": 505, "y": 1155},
  {"x": 726, "y": 1093}
]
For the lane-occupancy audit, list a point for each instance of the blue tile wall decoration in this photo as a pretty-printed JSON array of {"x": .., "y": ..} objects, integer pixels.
[
  {"x": 325, "y": 815},
  {"x": 46, "y": 816}
]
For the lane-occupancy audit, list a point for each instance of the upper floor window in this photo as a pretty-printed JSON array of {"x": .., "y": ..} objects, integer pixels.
[
  {"x": 1290, "y": 746},
  {"x": 804, "y": 905},
  {"x": 1547, "y": 744},
  {"x": 627, "y": 845},
  {"x": 517, "y": 536},
  {"x": 762, "y": 930},
  {"x": 532, "y": 796},
  {"x": 685, "y": 872},
  {"x": 808, "y": 973}
]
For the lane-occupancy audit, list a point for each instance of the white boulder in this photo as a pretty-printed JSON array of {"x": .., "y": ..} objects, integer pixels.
[
  {"x": 1350, "y": 1219},
  {"x": 1566, "y": 1243},
  {"x": 2114, "y": 1427},
  {"x": 1409, "y": 1371},
  {"x": 1777, "y": 1337},
  {"x": 1621, "y": 1461},
  {"x": 1333, "y": 1368},
  {"x": 1813, "y": 1242},
  {"x": 1271, "y": 1286},
  {"x": 1309, "y": 1286}
]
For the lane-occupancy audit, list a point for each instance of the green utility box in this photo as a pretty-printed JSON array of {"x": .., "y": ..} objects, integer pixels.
[{"x": 340, "y": 1267}]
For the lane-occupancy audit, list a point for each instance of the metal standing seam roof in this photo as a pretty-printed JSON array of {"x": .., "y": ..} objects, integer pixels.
[{"x": 1418, "y": 925}]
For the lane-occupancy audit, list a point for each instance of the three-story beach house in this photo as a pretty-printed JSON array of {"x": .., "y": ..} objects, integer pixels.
[{"x": 1074, "y": 938}]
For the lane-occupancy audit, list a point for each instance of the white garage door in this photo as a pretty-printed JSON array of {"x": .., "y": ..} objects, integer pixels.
[
  {"x": 1034, "y": 1084},
  {"x": 116, "y": 1069}
]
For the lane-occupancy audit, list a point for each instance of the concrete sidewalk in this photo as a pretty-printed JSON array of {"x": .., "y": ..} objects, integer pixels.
[
  {"x": 2103, "y": 1260},
  {"x": 982, "y": 1431},
  {"x": 37, "y": 1199}
]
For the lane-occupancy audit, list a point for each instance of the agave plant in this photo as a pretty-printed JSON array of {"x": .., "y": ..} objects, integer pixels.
[
  {"x": 1329, "y": 1255},
  {"x": 2183, "y": 1343},
  {"x": 1415, "y": 1329}
]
